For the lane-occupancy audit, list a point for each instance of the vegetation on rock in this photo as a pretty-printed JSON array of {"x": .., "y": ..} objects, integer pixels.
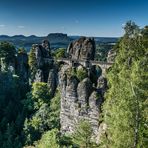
[{"x": 60, "y": 53}]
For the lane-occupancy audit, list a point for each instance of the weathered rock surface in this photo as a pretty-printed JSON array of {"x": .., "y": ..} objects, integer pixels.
[
  {"x": 44, "y": 61},
  {"x": 17, "y": 66},
  {"x": 84, "y": 48},
  {"x": 45, "y": 67},
  {"x": 81, "y": 99},
  {"x": 52, "y": 81},
  {"x": 39, "y": 77},
  {"x": 42, "y": 53}
]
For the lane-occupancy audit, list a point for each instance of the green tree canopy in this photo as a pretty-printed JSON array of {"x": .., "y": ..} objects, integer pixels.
[
  {"x": 82, "y": 134},
  {"x": 126, "y": 100},
  {"x": 7, "y": 51},
  {"x": 50, "y": 139},
  {"x": 60, "y": 53}
]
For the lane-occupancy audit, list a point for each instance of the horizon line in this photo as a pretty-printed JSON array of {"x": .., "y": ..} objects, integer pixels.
[{"x": 58, "y": 33}]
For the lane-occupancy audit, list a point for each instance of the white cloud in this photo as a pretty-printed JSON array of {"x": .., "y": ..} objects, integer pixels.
[
  {"x": 21, "y": 27},
  {"x": 2, "y": 25}
]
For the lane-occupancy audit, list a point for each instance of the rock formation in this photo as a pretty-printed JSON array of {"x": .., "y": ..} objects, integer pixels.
[
  {"x": 45, "y": 67},
  {"x": 84, "y": 48},
  {"x": 80, "y": 99},
  {"x": 58, "y": 38},
  {"x": 111, "y": 56},
  {"x": 44, "y": 61},
  {"x": 18, "y": 65},
  {"x": 52, "y": 81}
]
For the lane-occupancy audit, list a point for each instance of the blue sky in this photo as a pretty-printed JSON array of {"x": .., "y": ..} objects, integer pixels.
[{"x": 74, "y": 17}]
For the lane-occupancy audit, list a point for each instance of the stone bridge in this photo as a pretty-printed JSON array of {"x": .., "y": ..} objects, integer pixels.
[{"x": 87, "y": 63}]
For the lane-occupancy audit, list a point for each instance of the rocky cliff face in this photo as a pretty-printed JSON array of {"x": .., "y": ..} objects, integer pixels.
[
  {"x": 84, "y": 48},
  {"x": 18, "y": 66},
  {"x": 43, "y": 61},
  {"x": 80, "y": 98},
  {"x": 45, "y": 68}
]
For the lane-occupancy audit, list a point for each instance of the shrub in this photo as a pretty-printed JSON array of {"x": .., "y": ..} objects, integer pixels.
[
  {"x": 60, "y": 53},
  {"x": 81, "y": 74},
  {"x": 82, "y": 134},
  {"x": 49, "y": 140}
]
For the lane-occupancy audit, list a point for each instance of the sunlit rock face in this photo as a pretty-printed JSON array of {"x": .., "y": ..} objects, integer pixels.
[
  {"x": 84, "y": 48},
  {"x": 111, "y": 56},
  {"x": 80, "y": 99},
  {"x": 42, "y": 53}
]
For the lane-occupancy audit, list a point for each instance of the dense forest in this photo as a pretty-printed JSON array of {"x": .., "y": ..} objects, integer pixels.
[{"x": 30, "y": 112}]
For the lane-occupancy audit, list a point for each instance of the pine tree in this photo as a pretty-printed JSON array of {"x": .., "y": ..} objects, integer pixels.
[{"x": 82, "y": 134}]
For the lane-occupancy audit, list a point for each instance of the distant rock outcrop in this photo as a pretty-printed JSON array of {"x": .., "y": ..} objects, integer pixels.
[
  {"x": 58, "y": 38},
  {"x": 83, "y": 48}
]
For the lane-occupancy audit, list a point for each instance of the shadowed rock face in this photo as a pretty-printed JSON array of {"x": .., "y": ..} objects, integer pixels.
[
  {"x": 44, "y": 61},
  {"x": 82, "y": 49},
  {"x": 23, "y": 67},
  {"x": 52, "y": 81},
  {"x": 42, "y": 53},
  {"x": 46, "y": 71}
]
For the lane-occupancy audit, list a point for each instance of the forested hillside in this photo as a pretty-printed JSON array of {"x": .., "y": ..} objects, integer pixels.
[{"x": 125, "y": 109}]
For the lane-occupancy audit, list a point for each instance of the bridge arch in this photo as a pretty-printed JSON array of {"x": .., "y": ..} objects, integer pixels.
[{"x": 87, "y": 63}]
